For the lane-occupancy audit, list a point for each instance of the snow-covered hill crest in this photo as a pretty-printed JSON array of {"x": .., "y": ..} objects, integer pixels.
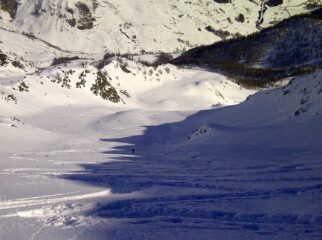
[{"x": 121, "y": 82}]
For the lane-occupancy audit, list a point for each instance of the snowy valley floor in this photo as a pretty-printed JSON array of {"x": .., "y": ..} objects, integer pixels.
[
  {"x": 249, "y": 171},
  {"x": 90, "y": 186}
]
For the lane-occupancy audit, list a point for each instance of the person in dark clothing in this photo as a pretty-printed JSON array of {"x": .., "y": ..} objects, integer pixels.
[{"x": 133, "y": 150}]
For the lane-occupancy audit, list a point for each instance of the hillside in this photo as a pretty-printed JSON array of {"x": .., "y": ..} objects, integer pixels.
[
  {"x": 98, "y": 26},
  {"x": 255, "y": 166},
  {"x": 69, "y": 131},
  {"x": 110, "y": 129},
  {"x": 289, "y": 48},
  {"x": 121, "y": 83}
]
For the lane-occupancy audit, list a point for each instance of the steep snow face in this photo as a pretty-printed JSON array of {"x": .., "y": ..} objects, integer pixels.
[
  {"x": 300, "y": 100},
  {"x": 133, "y": 26},
  {"x": 288, "y": 116}
]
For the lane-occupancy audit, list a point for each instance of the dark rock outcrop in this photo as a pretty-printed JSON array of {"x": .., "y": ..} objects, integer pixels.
[{"x": 9, "y": 6}]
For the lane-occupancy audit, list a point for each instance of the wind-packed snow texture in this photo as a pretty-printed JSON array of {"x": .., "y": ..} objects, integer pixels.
[{"x": 117, "y": 149}]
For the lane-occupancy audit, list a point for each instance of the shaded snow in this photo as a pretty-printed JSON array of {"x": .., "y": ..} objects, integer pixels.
[{"x": 250, "y": 170}]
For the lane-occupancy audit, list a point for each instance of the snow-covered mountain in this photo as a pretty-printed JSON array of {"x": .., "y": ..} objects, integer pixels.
[
  {"x": 102, "y": 138},
  {"x": 125, "y": 26},
  {"x": 255, "y": 166}
]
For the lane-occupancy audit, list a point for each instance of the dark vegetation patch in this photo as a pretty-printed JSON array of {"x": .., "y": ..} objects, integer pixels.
[
  {"x": 70, "y": 10},
  {"x": 17, "y": 64},
  {"x": 124, "y": 68},
  {"x": 163, "y": 58},
  {"x": 83, "y": 8},
  {"x": 86, "y": 20},
  {"x": 82, "y": 80},
  {"x": 103, "y": 88},
  {"x": 11, "y": 98},
  {"x": 63, "y": 79},
  {"x": 62, "y": 60},
  {"x": 240, "y": 18},
  {"x": 220, "y": 33},
  {"x": 292, "y": 47},
  {"x": 9, "y": 6},
  {"x": 71, "y": 22},
  {"x": 125, "y": 93},
  {"x": 313, "y": 4},
  {"x": 3, "y": 59},
  {"x": 107, "y": 59},
  {"x": 23, "y": 87}
]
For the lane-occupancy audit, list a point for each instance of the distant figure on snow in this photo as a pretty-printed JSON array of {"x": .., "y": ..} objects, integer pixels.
[{"x": 133, "y": 150}]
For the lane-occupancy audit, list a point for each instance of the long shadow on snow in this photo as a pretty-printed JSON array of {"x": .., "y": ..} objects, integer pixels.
[{"x": 191, "y": 177}]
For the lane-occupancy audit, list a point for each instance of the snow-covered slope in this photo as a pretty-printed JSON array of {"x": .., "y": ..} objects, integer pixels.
[
  {"x": 294, "y": 108},
  {"x": 116, "y": 148},
  {"x": 255, "y": 166},
  {"x": 250, "y": 170},
  {"x": 52, "y": 120},
  {"x": 132, "y": 26}
]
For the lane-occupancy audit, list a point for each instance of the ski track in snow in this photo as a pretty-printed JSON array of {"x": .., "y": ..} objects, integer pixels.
[
  {"x": 194, "y": 175},
  {"x": 183, "y": 189},
  {"x": 49, "y": 199}
]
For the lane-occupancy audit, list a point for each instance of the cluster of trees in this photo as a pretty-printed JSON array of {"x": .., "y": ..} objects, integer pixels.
[
  {"x": 63, "y": 60},
  {"x": 291, "y": 47}
]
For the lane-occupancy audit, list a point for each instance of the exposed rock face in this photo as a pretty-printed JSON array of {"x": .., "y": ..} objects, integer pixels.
[{"x": 9, "y": 6}]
